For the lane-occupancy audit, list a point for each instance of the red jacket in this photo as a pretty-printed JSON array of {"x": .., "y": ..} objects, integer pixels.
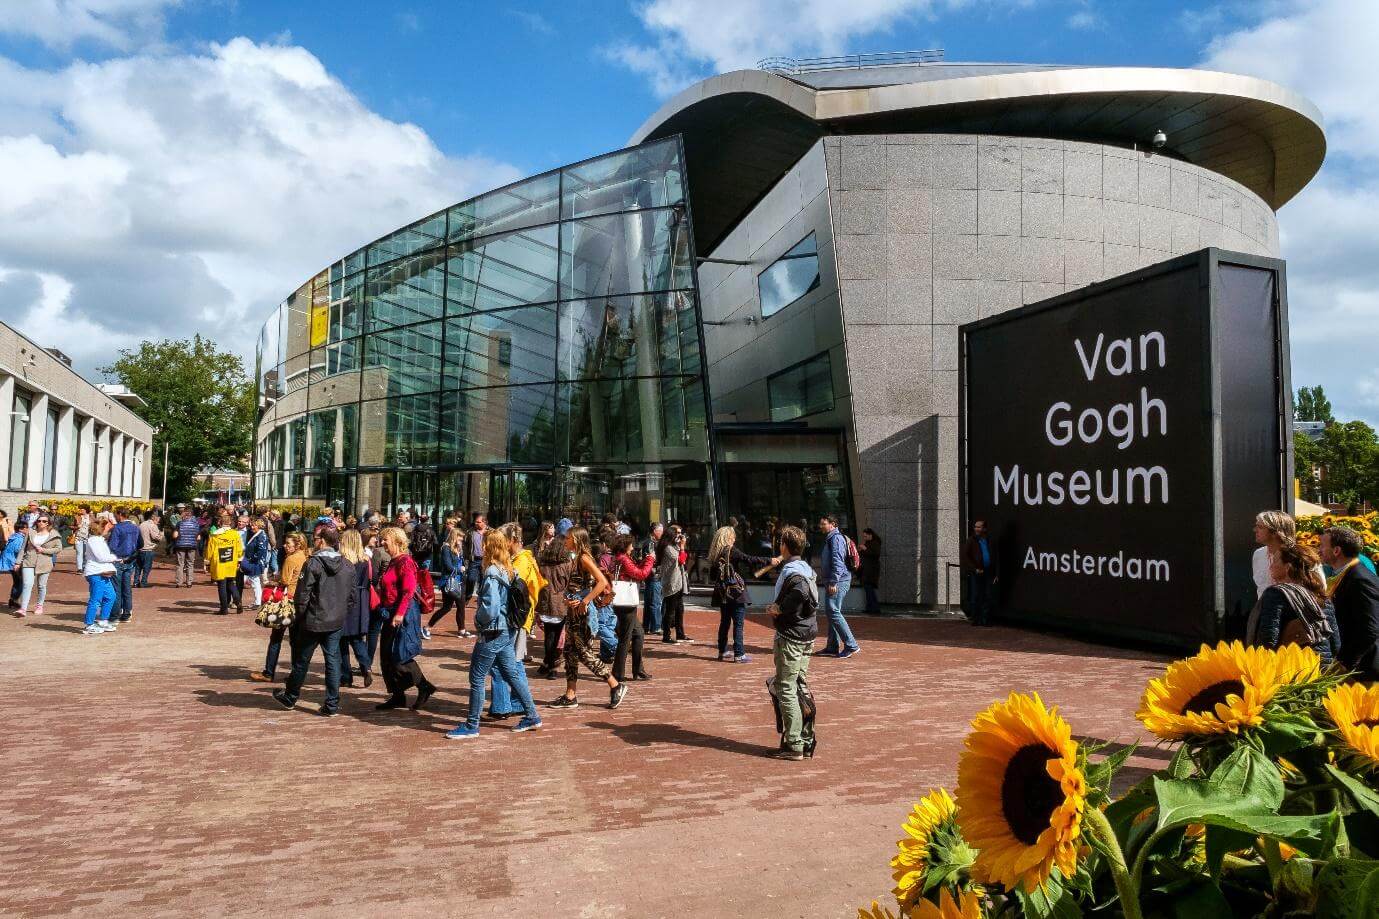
[
  {"x": 625, "y": 569},
  {"x": 398, "y": 586}
]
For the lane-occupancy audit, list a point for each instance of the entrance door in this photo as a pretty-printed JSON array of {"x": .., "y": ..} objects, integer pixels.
[
  {"x": 524, "y": 496},
  {"x": 465, "y": 492}
]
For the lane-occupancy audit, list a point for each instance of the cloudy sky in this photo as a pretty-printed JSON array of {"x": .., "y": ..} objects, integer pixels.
[{"x": 172, "y": 166}]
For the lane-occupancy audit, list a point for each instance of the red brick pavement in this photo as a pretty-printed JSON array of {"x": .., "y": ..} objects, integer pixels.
[{"x": 147, "y": 776}]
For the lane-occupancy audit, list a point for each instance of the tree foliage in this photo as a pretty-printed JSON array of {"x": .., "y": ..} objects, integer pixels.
[
  {"x": 1312, "y": 405},
  {"x": 199, "y": 398},
  {"x": 1349, "y": 453}
]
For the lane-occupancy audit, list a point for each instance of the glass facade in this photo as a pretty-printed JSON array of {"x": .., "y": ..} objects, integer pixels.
[
  {"x": 790, "y": 277},
  {"x": 532, "y": 352},
  {"x": 804, "y": 389}
]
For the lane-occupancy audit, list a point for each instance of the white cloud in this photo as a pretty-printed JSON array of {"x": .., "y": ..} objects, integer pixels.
[
  {"x": 693, "y": 39},
  {"x": 61, "y": 23},
  {"x": 164, "y": 194},
  {"x": 1324, "y": 49}
]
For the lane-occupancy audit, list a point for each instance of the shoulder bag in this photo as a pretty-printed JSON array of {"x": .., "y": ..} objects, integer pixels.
[{"x": 625, "y": 592}]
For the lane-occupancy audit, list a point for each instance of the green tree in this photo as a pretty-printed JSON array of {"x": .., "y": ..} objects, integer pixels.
[
  {"x": 1306, "y": 457},
  {"x": 1312, "y": 405},
  {"x": 201, "y": 401},
  {"x": 1349, "y": 454}
]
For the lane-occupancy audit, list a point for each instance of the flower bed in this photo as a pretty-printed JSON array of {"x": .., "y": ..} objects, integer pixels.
[
  {"x": 1268, "y": 807},
  {"x": 1367, "y": 525}
]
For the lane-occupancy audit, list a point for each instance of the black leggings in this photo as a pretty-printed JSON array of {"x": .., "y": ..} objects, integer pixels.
[
  {"x": 447, "y": 601},
  {"x": 673, "y": 617},
  {"x": 552, "y": 632},
  {"x": 629, "y": 634}
]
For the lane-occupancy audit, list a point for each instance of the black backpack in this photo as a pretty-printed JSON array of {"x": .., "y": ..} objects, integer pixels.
[
  {"x": 423, "y": 541},
  {"x": 519, "y": 604}
]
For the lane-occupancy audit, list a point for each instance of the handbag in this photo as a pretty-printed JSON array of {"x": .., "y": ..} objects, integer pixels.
[{"x": 625, "y": 592}]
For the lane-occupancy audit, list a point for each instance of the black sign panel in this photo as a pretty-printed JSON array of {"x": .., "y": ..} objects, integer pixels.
[{"x": 1091, "y": 428}]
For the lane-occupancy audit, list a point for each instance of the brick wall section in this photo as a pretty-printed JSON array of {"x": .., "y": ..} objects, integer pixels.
[{"x": 934, "y": 230}]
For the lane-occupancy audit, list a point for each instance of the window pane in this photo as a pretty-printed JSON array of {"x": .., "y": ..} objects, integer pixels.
[
  {"x": 346, "y": 307},
  {"x": 354, "y": 262},
  {"x": 500, "y": 349},
  {"x": 526, "y": 204},
  {"x": 401, "y": 362},
  {"x": 793, "y": 275},
  {"x": 399, "y": 432},
  {"x": 333, "y": 434},
  {"x": 631, "y": 420},
  {"x": 804, "y": 389},
  {"x": 502, "y": 271},
  {"x": 625, "y": 254},
  {"x": 296, "y": 328},
  {"x": 648, "y": 176},
  {"x": 424, "y": 234},
  {"x": 406, "y": 291},
  {"x": 640, "y": 335},
  {"x": 641, "y": 494},
  {"x": 500, "y": 424},
  {"x": 269, "y": 362}
]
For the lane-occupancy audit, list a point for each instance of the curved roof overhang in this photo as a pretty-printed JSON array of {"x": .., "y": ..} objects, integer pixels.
[{"x": 745, "y": 129}]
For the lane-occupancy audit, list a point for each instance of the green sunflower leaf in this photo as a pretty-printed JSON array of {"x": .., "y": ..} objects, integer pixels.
[
  {"x": 1348, "y": 888},
  {"x": 1363, "y": 797}
]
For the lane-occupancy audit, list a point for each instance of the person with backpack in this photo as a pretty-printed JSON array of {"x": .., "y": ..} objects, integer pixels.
[
  {"x": 529, "y": 573},
  {"x": 730, "y": 590},
  {"x": 423, "y": 543},
  {"x": 840, "y": 560},
  {"x": 794, "y": 613},
  {"x": 502, "y": 606}
]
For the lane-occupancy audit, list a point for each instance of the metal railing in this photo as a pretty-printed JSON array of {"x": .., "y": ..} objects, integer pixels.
[{"x": 797, "y": 65}]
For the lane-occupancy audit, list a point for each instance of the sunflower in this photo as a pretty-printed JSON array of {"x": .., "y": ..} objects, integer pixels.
[
  {"x": 877, "y": 911},
  {"x": 935, "y": 811},
  {"x": 966, "y": 906},
  {"x": 1354, "y": 709},
  {"x": 1021, "y": 794},
  {"x": 1223, "y": 689}
]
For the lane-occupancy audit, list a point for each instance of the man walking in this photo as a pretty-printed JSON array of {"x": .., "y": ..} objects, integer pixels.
[
  {"x": 422, "y": 543},
  {"x": 794, "y": 613},
  {"x": 980, "y": 562},
  {"x": 1354, "y": 592},
  {"x": 150, "y": 534},
  {"x": 185, "y": 538},
  {"x": 651, "y": 602},
  {"x": 474, "y": 573},
  {"x": 325, "y": 591},
  {"x": 123, "y": 540},
  {"x": 837, "y": 580}
]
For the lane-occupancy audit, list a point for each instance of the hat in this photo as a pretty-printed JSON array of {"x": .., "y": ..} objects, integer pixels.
[{"x": 563, "y": 526}]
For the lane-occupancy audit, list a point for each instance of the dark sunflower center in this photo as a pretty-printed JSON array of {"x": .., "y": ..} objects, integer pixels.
[
  {"x": 1205, "y": 702},
  {"x": 1028, "y": 795},
  {"x": 1368, "y": 723}
]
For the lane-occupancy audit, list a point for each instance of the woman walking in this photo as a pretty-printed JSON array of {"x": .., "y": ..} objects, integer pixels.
[
  {"x": 670, "y": 570},
  {"x": 554, "y": 566},
  {"x": 1295, "y": 609},
  {"x": 584, "y": 585},
  {"x": 494, "y": 651},
  {"x": 629, "y": 630},
  {"x": 12, "y": 557},
  {"x": 354, "y": 634},
  {"x": 400, "y": 642},
  {"x": 870, "y": 571},
  {"x": 295, "y": 547},
  {"x": 40, "y": 549},
  {"x": 452, "y": 579},
  {"x": 255, "y": 561},
  {"x": 99, "y": 570},
  {"x": 730, "y": 590},
  {"x": 224, "y": 549}
]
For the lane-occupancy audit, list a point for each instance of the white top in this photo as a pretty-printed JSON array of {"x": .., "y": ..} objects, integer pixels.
[
  {"x": 99, "y": 558},
  {"x": 1259, "y": 565}
]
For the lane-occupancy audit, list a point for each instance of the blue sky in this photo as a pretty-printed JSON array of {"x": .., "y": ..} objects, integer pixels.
[{"x": 185, "y": 163}]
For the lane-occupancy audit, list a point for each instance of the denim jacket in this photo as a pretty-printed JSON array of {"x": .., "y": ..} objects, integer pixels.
[
  {"x": 491, "y": 611},
  {"x": 835, "y": 559},
  {"x": 9, "y": 560}
]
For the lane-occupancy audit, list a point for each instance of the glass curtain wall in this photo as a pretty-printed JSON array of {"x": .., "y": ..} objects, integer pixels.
[{"x": 550, "y": 328}]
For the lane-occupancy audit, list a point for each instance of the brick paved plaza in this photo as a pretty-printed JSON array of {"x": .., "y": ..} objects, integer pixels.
[{"x": 148, "y": 776}]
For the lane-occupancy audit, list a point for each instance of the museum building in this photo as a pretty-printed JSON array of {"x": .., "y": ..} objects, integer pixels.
[{"x": 752, "y": 311}]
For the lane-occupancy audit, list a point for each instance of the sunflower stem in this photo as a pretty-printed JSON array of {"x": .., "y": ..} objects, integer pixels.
[{"x": 1100, "y": 828}]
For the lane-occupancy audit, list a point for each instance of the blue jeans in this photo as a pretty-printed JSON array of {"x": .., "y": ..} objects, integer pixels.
[
  {"x": 124, "y": 589},
  {"x": 607, "y": 632},
  {"x": 275, "y": 647},
  {"x": 494, "y": 652},
  {"x": 145, "y": 568},
  {"x": 303, "y": 649},
  {"x": 839, "y": 635},
  {"x": 651, "y": 607},
  {"x": 376, "y": 618},
  {"x": 736, "y": 615},
  {"x": 101, "y": 599},
  {"x": 501, "y": 703}
]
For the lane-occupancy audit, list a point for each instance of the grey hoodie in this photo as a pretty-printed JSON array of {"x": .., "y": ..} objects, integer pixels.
[{"x": 797, "y": 595}]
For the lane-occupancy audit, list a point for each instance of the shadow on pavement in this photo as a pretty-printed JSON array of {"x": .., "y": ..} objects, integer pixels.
[
  {"x": 645, "y": 735},
  {"x": 54, "y": 627},
  {"x": 260, "y": 700}
]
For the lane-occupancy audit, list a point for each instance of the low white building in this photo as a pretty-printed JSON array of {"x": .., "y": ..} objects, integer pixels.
[{"x": 63, "y": 435}]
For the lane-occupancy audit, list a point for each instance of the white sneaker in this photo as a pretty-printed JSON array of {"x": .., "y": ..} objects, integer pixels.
[
  {"x": 92, "y": 629},
  {"x": 106, "y": 626},
  {"x": 425, "y": 633}
]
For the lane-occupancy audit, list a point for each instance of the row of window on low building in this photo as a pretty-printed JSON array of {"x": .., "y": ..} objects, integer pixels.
[{"x": 54, "y": 449}]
